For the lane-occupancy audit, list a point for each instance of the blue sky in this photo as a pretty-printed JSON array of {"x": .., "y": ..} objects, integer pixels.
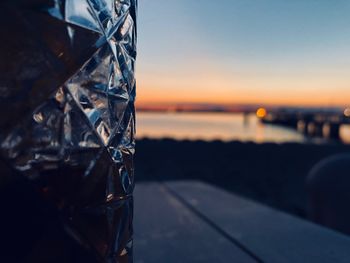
[{"x": 242, "y": 51}]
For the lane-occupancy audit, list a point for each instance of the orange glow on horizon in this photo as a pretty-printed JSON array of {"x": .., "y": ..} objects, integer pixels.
[
  {"x": 209, "y": 84},
  {"x": 147, "y": 96}
]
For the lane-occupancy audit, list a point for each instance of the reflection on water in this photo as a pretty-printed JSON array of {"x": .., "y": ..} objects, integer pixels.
[{"x": 212, "y": 126}]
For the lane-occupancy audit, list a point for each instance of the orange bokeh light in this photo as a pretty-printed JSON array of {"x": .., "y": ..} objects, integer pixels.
[
  {"x": 347, "y": 112},
  {"x": 261, "y": 113}
]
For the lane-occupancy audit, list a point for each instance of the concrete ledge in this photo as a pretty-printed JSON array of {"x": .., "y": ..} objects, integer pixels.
[{"x": 189, "y": 221}]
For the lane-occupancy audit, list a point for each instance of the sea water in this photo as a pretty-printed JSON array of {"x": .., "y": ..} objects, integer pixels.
[{"x": 219, "y": 126}]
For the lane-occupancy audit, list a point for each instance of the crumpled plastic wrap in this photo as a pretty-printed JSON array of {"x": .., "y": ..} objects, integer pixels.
[{"x": 67, "y": 126}]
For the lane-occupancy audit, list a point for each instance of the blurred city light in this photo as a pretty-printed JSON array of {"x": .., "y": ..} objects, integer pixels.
[{"x": 261, "y": 113}]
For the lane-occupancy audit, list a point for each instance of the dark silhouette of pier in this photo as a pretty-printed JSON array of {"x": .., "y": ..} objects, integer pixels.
[{"x": 311, "y": 123}]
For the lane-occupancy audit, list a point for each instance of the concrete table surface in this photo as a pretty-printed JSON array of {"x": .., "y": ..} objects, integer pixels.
[{"x": 189, "y": 221}]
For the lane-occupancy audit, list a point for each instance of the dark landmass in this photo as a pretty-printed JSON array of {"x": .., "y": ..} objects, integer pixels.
[
  {"x": 228, "y": 108},
  {"x": 269, "y": 173}
]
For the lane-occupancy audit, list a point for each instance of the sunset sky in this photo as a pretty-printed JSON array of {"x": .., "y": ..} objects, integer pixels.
[{"x": 290, "y": 52}]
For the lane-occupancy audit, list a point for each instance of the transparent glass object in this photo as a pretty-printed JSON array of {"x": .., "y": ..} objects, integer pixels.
[{"x": 67, "y": 91}]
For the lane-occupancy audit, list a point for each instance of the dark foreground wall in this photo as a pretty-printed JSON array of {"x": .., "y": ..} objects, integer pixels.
[{"x": 273, "y": 174}]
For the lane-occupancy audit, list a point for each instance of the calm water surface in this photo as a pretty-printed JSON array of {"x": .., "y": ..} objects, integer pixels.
[{"x": 222, "y": 126}]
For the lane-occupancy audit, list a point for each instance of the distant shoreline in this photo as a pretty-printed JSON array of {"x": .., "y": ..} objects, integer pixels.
[
  {"x": 194, "y": 111},
  {"x": 179, "y": 110},
  {"x": 208, "y": 108}
]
